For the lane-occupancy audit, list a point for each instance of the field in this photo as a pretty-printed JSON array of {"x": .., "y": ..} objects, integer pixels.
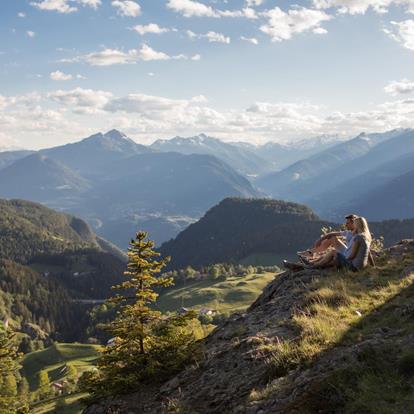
[
  {"x": 235, "y": 293},
  {"x": 266, "y": 259},
  {"x": 54, "y": 360}
]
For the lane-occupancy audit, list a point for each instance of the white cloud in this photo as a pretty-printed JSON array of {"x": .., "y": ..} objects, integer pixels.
[
  {"x": 362, "y": 6},
  {"x": 247, "y": 12},
  {"x": 320, "y": 30},
  {"x": 149, "y": 28},
  {"x": 145, "y": 104},
  {"x": 109, "y": 57},
  {"x": 252, "y": 3},
  {"x": 59, "y": 115},
  {"x": 60, "y": 6},
  {"x": 82, "y": 101},
  {"x": 283, "y": 25},
  {"x": 146, "y": 53},
  {"x": 91, "y": 3},
  {"x": 251, "y": 40},
  {"x": 190, "y": 8},
  {"x": 64, "y": 6},
  {"x": 210, "y": 36},
  {"x": 30, "y": 33},
  {"x": 60, "y": 76},
  {"x": 401, "y": 87},
  {"x": 196, "y": 57},
  {"x": 21, "y": 15},
  {"x": 127, "y": 8},
  {"x": 402, "y": 32}
]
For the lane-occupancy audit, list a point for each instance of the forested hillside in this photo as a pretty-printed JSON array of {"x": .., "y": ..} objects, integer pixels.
[
  {"x": 236, "y": 228},
  {"x": 50, "y": 260}
]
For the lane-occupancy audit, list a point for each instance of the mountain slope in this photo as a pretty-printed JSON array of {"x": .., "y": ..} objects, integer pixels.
[
  {"x": 237, "y": 228},
  {"x": 313, "y": 342},
  {"x": 283, "y": 155},
  {"x": 312, "y": 176},
  {"x": 9, "y": 157},
  {"x": 243, "y": 159},
  {"x": 161, "y": 193},
  {"x": 346, "y": 196},
  {"x": 40, "y": 178},
  {"x": 48, "y": 261},
  {"x": 391, "y": 200}
]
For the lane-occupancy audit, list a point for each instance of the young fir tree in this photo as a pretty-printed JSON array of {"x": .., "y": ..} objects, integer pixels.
[
  {"x": 43, "y": 385},
  {"x": 148, "y": 347},
  {"x": 9, "y": 403}
]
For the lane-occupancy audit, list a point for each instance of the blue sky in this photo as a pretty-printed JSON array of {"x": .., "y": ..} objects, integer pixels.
[{"x": 252, "y": 70}]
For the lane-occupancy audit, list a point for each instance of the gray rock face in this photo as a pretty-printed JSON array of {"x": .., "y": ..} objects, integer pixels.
[{"x": 236, "y": 358}]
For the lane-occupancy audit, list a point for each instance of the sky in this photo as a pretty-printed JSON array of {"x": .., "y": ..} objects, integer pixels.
[{"x": 239, "y": 70}]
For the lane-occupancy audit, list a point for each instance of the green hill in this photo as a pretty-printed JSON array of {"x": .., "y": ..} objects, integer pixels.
[
  {"x": 237, "y": 228},
  {"x": 235, "y": 293},
  {"x": 54, "y": 360},
  {"x": 48, "y": 260}
]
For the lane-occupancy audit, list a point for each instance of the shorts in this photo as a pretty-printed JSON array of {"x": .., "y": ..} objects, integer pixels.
[{"x": 344, "y": 263}]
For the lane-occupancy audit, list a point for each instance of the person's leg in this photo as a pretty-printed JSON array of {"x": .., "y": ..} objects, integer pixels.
[
  {"x": 341, "y": 262},
  {"x": 333, "y": 242},
  {"x": 326, "y": 260}
]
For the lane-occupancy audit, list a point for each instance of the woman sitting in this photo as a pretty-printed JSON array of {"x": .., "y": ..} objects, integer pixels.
[{"x": 361, "y": 244}]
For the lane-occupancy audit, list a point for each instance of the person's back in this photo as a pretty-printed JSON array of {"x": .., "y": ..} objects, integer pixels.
[{"x": 361, "y": 259}]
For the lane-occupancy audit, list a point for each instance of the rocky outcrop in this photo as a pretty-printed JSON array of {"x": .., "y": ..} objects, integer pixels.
[{"x": 236, "y": 357}]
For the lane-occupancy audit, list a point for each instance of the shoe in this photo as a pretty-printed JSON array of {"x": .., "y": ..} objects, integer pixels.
[
  {"x": 304, "y": 261},
  {"x": 292, "y": 266}
]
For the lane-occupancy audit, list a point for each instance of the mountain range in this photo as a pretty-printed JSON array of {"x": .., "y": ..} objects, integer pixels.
[{"x": 118, "y": 185}]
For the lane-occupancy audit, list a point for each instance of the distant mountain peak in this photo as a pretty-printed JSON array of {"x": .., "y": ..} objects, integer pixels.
[{"x": 115, "y": 134}]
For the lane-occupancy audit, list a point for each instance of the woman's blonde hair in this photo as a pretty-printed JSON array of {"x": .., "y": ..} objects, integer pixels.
[{"x": 361, "y": 227}]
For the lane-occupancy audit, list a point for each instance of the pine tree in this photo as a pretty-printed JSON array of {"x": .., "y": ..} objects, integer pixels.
[
  {"x": 71, "y": 376},
  {"x": 8, "y": 370},
  {"x": 10, "y": 386},
  {"x": 43, "y": 384},
  {"x": 23, "y": 390},
  {"x": 148, "y": 346}
]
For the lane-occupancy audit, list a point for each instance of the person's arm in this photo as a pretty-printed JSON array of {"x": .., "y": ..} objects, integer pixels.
[
  {"x": 327, "y": 236},
  {"x": 355, "y": 248}
]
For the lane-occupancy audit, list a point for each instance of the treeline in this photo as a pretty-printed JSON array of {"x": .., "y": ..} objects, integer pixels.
[
  {"x": 86, "y": 273},
  {"x": 216, "y": 271},
  {"x": 29, "y": 298}
]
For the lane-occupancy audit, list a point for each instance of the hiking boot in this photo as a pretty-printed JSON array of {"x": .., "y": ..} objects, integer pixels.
[{"x": 293, "y": 266}]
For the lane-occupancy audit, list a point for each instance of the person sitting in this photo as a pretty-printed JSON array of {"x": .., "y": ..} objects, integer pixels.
[
  {"x": 358, "y": 258},
  {"x": 332, "y": 240},
  {"x": 354, "y": 257}
]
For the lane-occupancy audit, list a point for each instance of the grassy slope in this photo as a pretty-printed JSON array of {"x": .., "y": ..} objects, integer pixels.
[
  {"x": 233, "y": 294},
  {"x": 54, "y": 360},
  {"x": 343, "y": 310}
]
